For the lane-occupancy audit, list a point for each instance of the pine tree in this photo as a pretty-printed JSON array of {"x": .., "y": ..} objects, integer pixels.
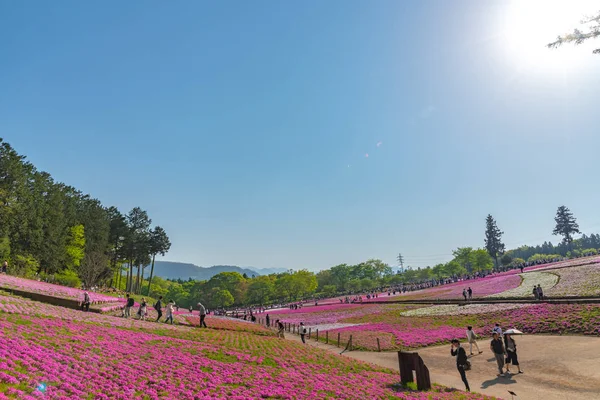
[
  {"x": 566, "y": 224},
  {"x": 493, "y": 239}
]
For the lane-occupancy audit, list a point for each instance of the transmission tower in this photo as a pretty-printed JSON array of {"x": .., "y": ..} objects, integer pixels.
[{"x": 401, "y": 262}]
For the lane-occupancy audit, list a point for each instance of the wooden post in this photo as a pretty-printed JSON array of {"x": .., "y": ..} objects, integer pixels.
[
  {"x": 309, "y": 331},
  {"x": 326, "y": 337},
  {"x": 409, "y": 362},
  {"x": 317, "y": 335},
  {"x": 378, "y": 346},
  {"x": 350, "y": 343},
  {"x": 338, "y": 345}
]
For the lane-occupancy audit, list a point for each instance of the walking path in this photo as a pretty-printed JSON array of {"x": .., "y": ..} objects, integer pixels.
[{"x": 556, "y": 367}]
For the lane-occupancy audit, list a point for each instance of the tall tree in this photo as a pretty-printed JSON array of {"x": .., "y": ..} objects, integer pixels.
[
  {"x": 493, "y": 239},
  {"x": 566, "y": 224},
  {"x": 137, "y": 242},
  {"x": 578, "y": 36},
  {"x": 159, "y": 244}
]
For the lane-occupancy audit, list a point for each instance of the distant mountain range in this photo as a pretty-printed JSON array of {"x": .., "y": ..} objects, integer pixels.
[{"x": 176, "y": 270}]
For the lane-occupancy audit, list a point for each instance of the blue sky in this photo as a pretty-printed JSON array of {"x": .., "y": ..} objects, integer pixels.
[{"x": 243, "y": 127}]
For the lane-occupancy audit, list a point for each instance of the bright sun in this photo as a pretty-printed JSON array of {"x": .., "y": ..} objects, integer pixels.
[{"x": 528, "y": 25}]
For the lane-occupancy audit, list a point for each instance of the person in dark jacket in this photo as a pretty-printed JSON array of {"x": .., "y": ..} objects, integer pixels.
[
  {"x": 158, "y": 308},
  {"x": 268, "y": 319},
  {"x": 461, "y": 361},
  {"x": 497, "y": 348},
  {"x": 511, "y": 353}
]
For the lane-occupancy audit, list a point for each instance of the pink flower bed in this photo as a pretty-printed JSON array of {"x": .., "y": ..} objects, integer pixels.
[
  {"x": 53, "y": 358},
  {"x": 49, "y": 289},
  {"x": 481, "y": 288}
]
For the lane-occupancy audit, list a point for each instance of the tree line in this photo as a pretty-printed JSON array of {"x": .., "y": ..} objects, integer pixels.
[
  {"x": 494, "y": 256},
  {"x": 54, "y": 232}
]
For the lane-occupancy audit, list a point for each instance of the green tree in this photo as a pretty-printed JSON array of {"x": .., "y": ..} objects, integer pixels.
[
  {"x": 506, "y": 260},
  {"x": 482, "y": 260},
  {"x": 75, "y": 246},
  {"x": 453, "y": 268},
  {"x": 340, "y": 275},
  {"x": 493, "y": 239},
  {"x": 159, "y": 244},
  {"x": 464, "y": 257},
  {"x": 438, "y": 271},
  {"x": 221, "y": 298},
  {"x": 260, "y": 290},
  {"x": 566, "y": 224}
]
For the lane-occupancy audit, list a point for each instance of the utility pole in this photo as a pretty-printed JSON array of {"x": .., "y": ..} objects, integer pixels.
[{"x": 401, "y": 262}]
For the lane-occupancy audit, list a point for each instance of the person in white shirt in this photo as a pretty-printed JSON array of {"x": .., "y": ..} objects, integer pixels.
[
  {"x": 472, "y": 339},
  {"x": 497, "y": 330}
]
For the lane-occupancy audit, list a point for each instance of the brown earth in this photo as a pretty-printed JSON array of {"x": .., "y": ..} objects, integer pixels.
[{"x": 555, "y": 367}]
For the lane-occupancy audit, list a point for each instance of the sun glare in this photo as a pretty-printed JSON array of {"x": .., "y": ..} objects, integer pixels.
[{"x": 528, "y": 25}]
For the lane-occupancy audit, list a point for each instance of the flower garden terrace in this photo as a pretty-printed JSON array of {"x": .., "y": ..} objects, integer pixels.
[
  {"x": 390, "y": 326},
  {"x": 56, "y": 353}
]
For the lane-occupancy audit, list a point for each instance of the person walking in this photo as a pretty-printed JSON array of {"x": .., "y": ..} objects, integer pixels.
[
  {"x": 511, "y": 353},
  {"x": 5, "y": 267},
  {"x": 465, "y": 294},
  {"x": 280, "y": 329},
  {"x": 130, "y": 303},
  {"x": 497, "y": 348},
  {"x": 158, "y": 308},
  {"x": 268, "y": 320},
  {"x": 540, "y": 292},
  {"x": 202, "y": 315},
  {"x": 472, "y": 339},
  {"x": 535, "y": 293},
  {"x": 85, "y": 305},
  {"x": 302, "y": 332},
  {"x": 143, "y": 309},
  {"x": 470, "y": 291},
  {"x": 462, "y": 364},
  {"x": 170, "y": 309}
]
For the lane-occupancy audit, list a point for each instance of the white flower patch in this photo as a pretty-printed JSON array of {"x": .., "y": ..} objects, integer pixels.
[
  {"x": 468, "y": 309},
  {"x": 545, "y": 279}
]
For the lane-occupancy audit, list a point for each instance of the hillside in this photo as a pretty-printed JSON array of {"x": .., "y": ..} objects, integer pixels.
[{"x": 176, "y": 270}]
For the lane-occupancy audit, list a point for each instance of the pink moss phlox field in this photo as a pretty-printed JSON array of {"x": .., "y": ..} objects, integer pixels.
[
  {"x": 481, "y": 288},
  {"x": 414, "y": 332},
  {"x": 71, "y": 359},
  {"x": 49, "y": 289}
]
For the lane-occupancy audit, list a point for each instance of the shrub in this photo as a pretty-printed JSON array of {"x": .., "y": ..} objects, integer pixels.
[
  {"x": 68, "y": 278},
  {"x": 25, "y": 266}
]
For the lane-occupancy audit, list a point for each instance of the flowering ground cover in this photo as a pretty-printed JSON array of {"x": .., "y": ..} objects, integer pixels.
[
  {"x": 328, "y": 314},
  {"x": 546, "y": 280},
  {"x": 49, "y": 289},
  {"x": 419, "y": 331},
  {"x": 481, "y": 288},
  {"x": 47, "y": 352},
  {"x": 577, "y": 281}
]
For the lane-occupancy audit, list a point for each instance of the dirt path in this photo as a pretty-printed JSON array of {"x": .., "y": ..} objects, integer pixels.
[{"x": 556, "y": 367}]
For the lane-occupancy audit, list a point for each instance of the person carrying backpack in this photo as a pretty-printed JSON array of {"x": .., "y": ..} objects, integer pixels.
[
  {"x": 158, "y": 308},
  {"x": 302, "y": 332}
]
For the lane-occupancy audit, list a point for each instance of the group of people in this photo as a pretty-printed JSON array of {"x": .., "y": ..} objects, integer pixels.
[
  {"x": 142, "y": 312},
  {"x": 468, "y": 293},
  {"x": 502, "y": 345}
]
